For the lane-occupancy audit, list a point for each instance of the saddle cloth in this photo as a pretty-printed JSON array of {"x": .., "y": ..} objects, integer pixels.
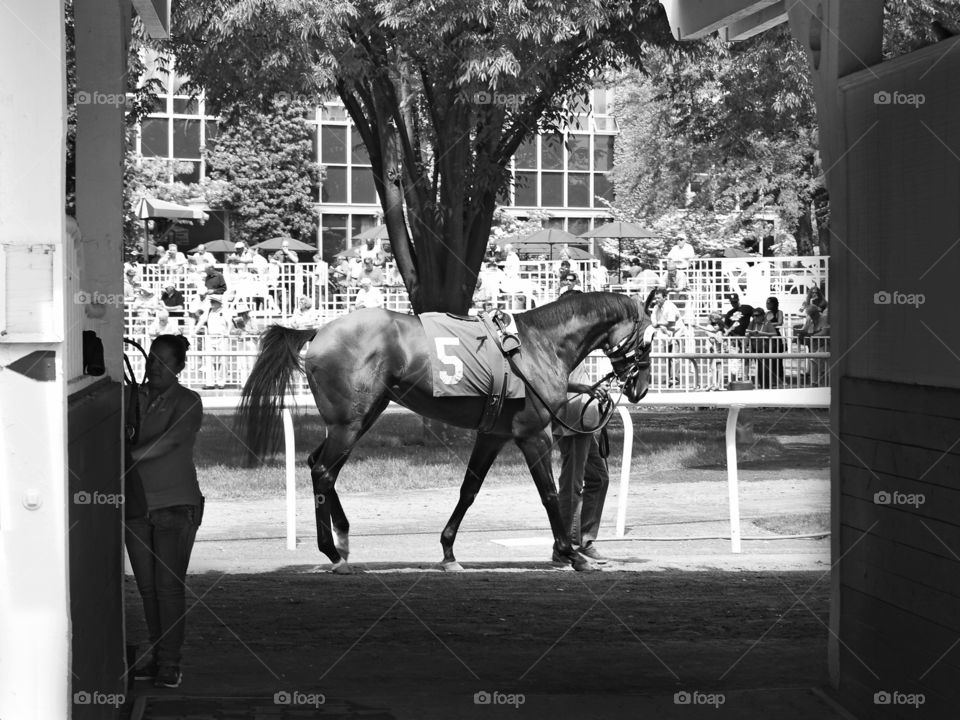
[{"x": 464, "y": 357}]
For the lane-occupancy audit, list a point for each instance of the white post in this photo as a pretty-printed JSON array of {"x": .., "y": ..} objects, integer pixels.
[
  {"x": 624, "y": 470},
  {"x": 732, "y": 480},
  {"x": 289, "y": 451},
  {"x": 34, "y": 571}
]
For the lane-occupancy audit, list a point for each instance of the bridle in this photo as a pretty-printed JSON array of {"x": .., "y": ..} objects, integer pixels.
[{"x": 625, "y": 357}]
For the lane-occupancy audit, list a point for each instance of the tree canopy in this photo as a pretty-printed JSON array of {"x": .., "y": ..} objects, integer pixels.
[
  {"x": 268, "y": 179},
  {"x": 442, "y": 93}
]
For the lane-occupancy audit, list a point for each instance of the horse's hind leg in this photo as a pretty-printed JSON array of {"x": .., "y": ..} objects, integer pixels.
[
  {"x": 338, "y": 518},
  {"x": 325, "y": 465},
  {"x": 485, "y": 451}
]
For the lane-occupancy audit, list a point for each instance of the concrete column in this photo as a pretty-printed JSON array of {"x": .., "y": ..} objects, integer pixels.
[
  {"x": 102, "y": 41},
  {"x": 34, "y": 609}
]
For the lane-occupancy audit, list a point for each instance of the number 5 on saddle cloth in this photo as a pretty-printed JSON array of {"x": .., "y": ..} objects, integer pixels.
[{"x": 467, "y": 361}]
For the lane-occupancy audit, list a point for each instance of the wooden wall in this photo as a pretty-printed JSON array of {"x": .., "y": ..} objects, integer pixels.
[
  {"x": 96, "y": 546},
  {"x": 896, "y": 604}
]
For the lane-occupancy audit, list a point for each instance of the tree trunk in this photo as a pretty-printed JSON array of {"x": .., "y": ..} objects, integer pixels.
[{"x": 804, "y": 233}]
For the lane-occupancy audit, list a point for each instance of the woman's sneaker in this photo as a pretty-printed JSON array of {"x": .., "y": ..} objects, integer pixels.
[{"x": 168, "y": 677}]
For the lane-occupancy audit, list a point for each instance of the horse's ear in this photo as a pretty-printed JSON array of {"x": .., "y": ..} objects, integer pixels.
[{"x": 649, "y": 301}]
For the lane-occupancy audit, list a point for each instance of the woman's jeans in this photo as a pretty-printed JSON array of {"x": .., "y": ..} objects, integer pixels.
[{"x": 159, "y": 546}]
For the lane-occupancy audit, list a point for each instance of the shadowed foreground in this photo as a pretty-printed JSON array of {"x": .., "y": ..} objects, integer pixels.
[{"x": 422, "y": 645}]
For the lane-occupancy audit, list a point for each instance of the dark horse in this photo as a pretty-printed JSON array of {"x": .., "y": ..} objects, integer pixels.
[{"x": 357, "y": 364}]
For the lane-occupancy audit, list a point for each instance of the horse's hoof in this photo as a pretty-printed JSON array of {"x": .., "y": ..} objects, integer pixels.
[
  {"x": 452, "y": 566},
  {"x": 341, "y": 567},
  {"x": 582, "y": 564}
]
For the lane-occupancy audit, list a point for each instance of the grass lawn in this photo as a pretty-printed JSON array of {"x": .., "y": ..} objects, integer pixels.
[{"x": 399, "y": 453}]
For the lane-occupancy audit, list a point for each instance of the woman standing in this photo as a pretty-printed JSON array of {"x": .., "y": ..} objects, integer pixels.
[
  {"x": 764, "y": 332},
  {"x": 164, "y": 506}
]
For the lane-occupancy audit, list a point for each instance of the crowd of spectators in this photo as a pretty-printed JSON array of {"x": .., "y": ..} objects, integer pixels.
[{"x": 202, "y": 304}]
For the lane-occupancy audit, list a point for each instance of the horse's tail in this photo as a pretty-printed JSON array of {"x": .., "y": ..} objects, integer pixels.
[{"x": 257, "y": 422}]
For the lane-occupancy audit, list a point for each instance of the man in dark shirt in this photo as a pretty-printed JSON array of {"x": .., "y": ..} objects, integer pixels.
[
  {"x": 737, "y": 318},
  {"x": 172, "y": 300},
  {"x": 214, "y": 281}
]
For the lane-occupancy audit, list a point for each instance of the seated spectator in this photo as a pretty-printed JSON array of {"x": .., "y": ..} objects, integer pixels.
[
  {"x": 569, "y": 281},
  {"x": 304, "y": 316},
  {"x": 715, "y": 344},
  {"x": 369, "y": 271},
  {"x": 369, "y": 295},
  {"x": 202, "y": 258},
  {"x": 815, "y": 325},
  {"x": 163, "y": 324},
  {"x": 288, "y": 254},
  {"x": 682, "y": 252},
  {"x": 814, "y": 298},
  {"x": 511, "y": 262},
  {"x": 674, "y": 279},
  {"x": 131, "y": 282},
  {"x": 372, "y": 252},
  {"x": 737, "y": 319},
  {"x": 249, "y": 256},
  {"x": 236, "y": 257},
  {"x": 565, "y": 273},
  {"x": 242, "y": 323},
  {"x": 172, "y": 300},
  {"x": 145, "y": 303},
  {"x": 172, "y": 258},
  {"x": 599, "y": 277},
  {"x": 493, "y": 253},
  {"x": 489, "y": 282},
  {"x": 340, "y": 277},
  {"x": 214, "y": 282}
]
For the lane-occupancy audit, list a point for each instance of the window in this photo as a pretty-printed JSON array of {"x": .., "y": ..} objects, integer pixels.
[
  {"x": 602, "y": 187},
  {"x": 525, "y": 192},
  {"x": 186, "y": 139},
  {"x": 154, "y": 140},
  {"x": 552, "y": 189},
  {"x": 526, "y": 155},
  {"x": 578, "y": 189},
  {"x": 334, "y": 188},
  {"x": 578, "y": 147},
  {"x": 362, "y": 189},
  {"x": 333, "y": 145},
  {"x": 603, "y": 152},
  {"x": 552, "y": 156}
]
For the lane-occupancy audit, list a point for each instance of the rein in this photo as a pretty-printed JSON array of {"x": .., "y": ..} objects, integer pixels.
[{"x": 620, "y": 356}]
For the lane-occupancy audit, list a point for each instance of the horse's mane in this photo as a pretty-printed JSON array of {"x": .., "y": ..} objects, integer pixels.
[{"x": 592, "y": 307}]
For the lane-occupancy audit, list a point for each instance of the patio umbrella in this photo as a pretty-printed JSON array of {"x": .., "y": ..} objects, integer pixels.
[
  {"x": 735, "y": 252},
  {"x": 277, "y": 244},
  {"x": 348, "y": 253},
  {"x": 216, "y": 246},
  {"x": 377, "y": 232},
  {"x": 619, "y": 230},
  {"x": 151, "y": 208},
  {"x": 544, "y": 241}
]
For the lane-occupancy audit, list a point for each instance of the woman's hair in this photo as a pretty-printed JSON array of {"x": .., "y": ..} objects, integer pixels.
[
  {"x": 773, "y": 303},
  {"x": 178, "y": 343}
]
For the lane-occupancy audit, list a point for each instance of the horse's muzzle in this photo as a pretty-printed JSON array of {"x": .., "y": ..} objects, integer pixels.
[{"x": 636, "y": 387}]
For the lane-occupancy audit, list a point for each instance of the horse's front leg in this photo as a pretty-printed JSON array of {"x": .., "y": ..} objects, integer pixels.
[
  {"x": 485, "y": 451},
  {"x": 537, "y": 452}
]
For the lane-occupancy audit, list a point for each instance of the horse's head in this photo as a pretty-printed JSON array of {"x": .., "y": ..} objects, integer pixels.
[{"x": 628, "y": 347}]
